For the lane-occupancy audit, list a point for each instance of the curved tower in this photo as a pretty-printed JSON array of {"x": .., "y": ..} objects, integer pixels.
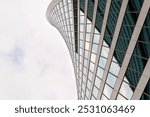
[{"x": 109, "y": 44}]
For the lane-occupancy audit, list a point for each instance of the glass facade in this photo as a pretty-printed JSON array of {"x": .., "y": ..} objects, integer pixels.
[{"x": 99, "y": 35}]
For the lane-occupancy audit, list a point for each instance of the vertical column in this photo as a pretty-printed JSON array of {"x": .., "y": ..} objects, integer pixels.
[
  {"x": 134, "y": 38},
  {"x": 112, "y": 48}
]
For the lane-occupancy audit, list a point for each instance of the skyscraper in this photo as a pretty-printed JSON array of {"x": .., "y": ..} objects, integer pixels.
[{"x": 109, "y": 44}]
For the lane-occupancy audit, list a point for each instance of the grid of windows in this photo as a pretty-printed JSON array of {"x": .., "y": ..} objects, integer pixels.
[
  {"x": 62, "y": 17},
  {"x": 81, "y": 23}
]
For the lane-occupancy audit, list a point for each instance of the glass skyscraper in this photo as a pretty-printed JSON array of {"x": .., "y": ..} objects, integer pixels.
[{"x": 109, "y": 44}]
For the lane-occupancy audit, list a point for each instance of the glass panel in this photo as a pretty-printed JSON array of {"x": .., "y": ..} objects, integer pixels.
[
  {"x": 94, "y": 48},
  {"x": 84, "y": 79},
  {"x": 100, "y": 72},
  {"x": 102, "y": 62},
  {"x": 105, "y": 44},
  {"x": 114, "y": 68},
  {"x": 87, "y": 45},
  {"x": 107, "y": 91},
  {"x": 105, "y": 52},
  {"x": 97, "y": 82},
  {"x": 84, "y": 71},
  {"x": 111, "y": 79},
  {"x": 96, "y": 38},
  {"x": 82, "y": 94},
  {"x": 120, "y": 97},
  {"x": 103, "y": 98},
  {"x": 87, "y": 93},
  {"x": 93, "y": 57},
  {"x": 85, "y": 62},
  {"x": 89, "y": 26},
  {"x": 91, "y": 66},
  {"x": 81, "y": 44},
  {"x": 93, "y": 98},
  {"x": 81, "y": 27},
  {"x": 126, "y": 90},
  {"x": 83, "y": 86},
  {"x": 89, "y": 84},
  {"x": 81, "y": 19},
  {"x": 88, "y": 37},
  {"x": 81, "y": 36},
  {"x": 86, "y": 54},
  {"x": 90, "y": 76},
  {"x": 95, "y": 91}
]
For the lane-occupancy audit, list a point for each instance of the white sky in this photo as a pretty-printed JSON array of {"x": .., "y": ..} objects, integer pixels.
[{"x": 34, "y": 60}]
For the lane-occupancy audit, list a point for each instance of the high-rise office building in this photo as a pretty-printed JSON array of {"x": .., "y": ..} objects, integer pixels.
[{"x": 109, "y": 44}]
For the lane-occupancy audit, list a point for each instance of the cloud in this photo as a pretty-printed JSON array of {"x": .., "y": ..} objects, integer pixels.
[
  {"x": 17, "y": 56},
  {"x": 32, "y": 54}
]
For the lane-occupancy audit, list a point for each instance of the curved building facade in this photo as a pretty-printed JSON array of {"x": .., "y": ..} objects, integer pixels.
[{"x": 109, "y": 44}]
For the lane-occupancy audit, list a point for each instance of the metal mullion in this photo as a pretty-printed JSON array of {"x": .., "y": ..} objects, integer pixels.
[
  {"x": 61, "y": 31},
  {"x": 91, "y": 40},
  {"x": 66, "y": 30},
  {"x": 77, "y": 80},
  {"x": 142, "y": 82},
  {"x": 78, "y": 45},
  {"x": 74, "y": 54},
  {"x": 100, "y": 42},
  {"x": 67, "y": 5},
  {"x": 59, "y": 16},
  {"x": 50, "y": 7},
  {"x": 84, "y": 38},
  {"x": 113, "y": 44},
  {"x": 67, "y": 35},
  {"x": 132, "y": 44}
]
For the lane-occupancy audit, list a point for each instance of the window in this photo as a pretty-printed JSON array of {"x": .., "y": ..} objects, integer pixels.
[
  {"x": 107, "y": 90},
  {"x": 97, "y": 82},
  {"x": 102, "y": 62},
  {"x": 93, "y": 57},
  {"x": 95, "y": 91},
  {"x": 100, "y": 72},
  {"x": 105, "y": 52},
  {"x": 111, "y": 79},
  {"x": 114, "y": 68},
  {"x": 126, "y": 90}
]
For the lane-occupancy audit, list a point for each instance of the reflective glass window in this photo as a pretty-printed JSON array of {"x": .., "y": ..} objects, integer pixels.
[
  {"x": 81, "y": 19},
  {"x": 89, "y": 84},
  {"x": 103, "y": 98},
  {"x": 88, "y": 28},
  {"x": 97, "y": 82},
  {"x": 90, "y": 75},
  {"x": 105, "y": 52},
  {"x": 93, "y": 57},
  {"x": 114, "y": 68},
  {"x": 94, "y": 48},
  {"x": 87, "y": 46},
  {"x": 81, "y": 27},
  {"x": 100, "y": 72},
  {"x": 126, "y": 90},
  {"x": 120, "y": 97},
  {"x": 88, "y": 37},
  {"x": 107, "y": 90},
  {"x": 87, "y": 93},
  {"x": 95, "y": 91},
  {"x": 91, "y": 66},
  {"x": 111, "y": 79},
  {"x": 102, "y": 62},
  {"x": 96, "y": 38}
]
